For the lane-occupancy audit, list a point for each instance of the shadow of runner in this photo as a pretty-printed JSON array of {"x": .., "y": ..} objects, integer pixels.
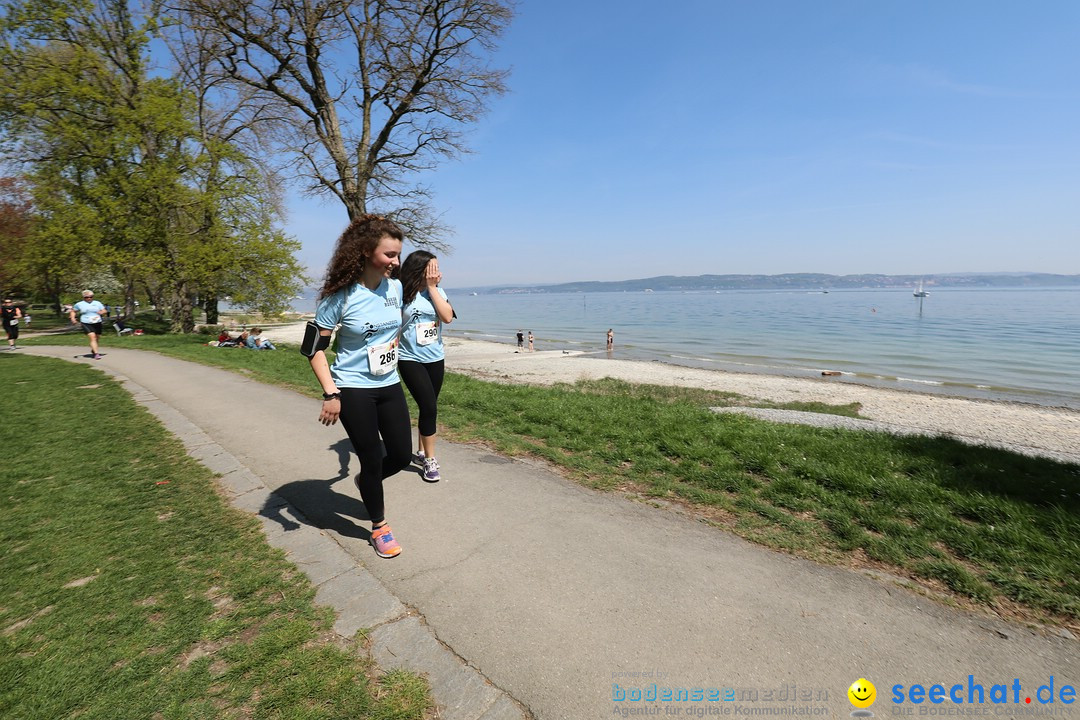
[
  {"x": 322, "y": 505},
  {"x": 343, "y": 448}
]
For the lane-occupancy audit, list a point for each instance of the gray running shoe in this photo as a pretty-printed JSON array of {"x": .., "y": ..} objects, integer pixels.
[{"x": 431, "y": 470}]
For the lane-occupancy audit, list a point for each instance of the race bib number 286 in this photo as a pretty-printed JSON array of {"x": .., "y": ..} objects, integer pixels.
[{"x": 382, "y": 359}]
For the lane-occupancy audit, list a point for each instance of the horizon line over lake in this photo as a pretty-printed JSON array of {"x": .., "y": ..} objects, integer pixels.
[{"x": 1018, "y": 345}]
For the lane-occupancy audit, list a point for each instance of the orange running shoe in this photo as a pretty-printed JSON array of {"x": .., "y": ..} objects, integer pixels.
[{"x": 384, "y": 543}]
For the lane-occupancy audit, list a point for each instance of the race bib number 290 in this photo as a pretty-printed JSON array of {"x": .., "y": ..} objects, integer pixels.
[
  {"x": 426, "y": 333},
  {"x": 382, "y": 359}
]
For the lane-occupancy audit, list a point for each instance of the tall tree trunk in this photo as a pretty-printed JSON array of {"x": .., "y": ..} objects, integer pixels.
[
  {"x": 155, "y": 301},
  {"x": 129, "y": 297},
  {"x": 210, "y": 307},
  {"x": 183, "y": 318}
]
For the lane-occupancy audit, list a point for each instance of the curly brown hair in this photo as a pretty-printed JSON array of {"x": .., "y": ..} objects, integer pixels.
[{"x": 360, "y": 238}]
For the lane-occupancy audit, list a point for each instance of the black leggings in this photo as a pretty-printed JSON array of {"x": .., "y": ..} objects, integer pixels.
[
  {"x": 12, "y": 330},
  {"x": 424, "y": 381},
  {"x": 367, "y": 413}
]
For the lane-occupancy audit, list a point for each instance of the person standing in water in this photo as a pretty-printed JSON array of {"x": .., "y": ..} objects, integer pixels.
[{"x": 422, "y": 352}]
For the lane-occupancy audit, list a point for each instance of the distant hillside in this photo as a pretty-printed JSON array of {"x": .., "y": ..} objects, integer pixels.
[{"x": 796, "y": 281}]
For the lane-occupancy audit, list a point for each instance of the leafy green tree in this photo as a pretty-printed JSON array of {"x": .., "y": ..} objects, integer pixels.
[
  {"x": 104, "y": 141},
  {"x": 16, "y": 220},
  {"x": 123, "y": 172},
  {"x": 248, "y": 258},
  {"x": 53, "y": 262}
]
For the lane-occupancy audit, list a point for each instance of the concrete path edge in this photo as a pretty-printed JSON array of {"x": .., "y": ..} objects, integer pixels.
[{"x": 399, "y": 636}]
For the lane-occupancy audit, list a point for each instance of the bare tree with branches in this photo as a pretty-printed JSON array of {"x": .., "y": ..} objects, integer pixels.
[{"x": 367, "y": 93}]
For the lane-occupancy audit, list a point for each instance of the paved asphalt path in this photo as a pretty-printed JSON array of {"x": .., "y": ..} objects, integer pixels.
[{"x": 565, "y": 598}]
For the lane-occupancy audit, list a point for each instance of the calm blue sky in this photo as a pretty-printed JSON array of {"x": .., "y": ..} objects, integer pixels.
[{"x": 765, "y": 136}]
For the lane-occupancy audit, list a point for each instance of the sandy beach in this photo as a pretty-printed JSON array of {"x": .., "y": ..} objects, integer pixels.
[{"x": 1032, "y": 429}]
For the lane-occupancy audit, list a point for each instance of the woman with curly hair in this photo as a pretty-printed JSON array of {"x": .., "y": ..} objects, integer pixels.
[
  {"x": 362, "y": 388},
  {"x": 422, "y": 354}
]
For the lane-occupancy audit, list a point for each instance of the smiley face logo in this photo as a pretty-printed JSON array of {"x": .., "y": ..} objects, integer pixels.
[{"x": 862, "y": 693}]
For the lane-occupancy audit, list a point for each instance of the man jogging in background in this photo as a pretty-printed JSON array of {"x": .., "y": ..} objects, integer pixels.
[
  {"x": 11, "y": 315},
  {"x": 90, "y": 312}
]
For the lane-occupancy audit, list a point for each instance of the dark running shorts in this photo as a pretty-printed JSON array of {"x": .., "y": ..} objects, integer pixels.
[
  {"x": 91, "y": 328},
  {"x": 12, "y": 331}
]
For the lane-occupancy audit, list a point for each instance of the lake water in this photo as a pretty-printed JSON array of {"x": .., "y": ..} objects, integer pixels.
[{"x": 1009, "y": 344}]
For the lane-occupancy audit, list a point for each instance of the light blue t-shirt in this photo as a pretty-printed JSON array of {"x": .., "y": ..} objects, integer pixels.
[
  {"x": 421, "y": 331},
  {"x": 367, "y": 343},
  {"x": 89, "y": 312}
]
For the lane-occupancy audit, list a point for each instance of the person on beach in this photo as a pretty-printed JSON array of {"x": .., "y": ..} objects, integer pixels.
[
  {"x": 610, "y": 339},
  {"x": 11, "y": 314},
  {"x": 89, "y": 311},
  {"x": 422, "y": 352},
  {"x": 521, "y": 340},
  {"x": 362, "y": 388},
  {"x": 530, "y": 341}
]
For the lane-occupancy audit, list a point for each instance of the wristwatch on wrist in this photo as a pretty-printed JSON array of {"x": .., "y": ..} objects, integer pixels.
[{"x": 331, "y": 396}]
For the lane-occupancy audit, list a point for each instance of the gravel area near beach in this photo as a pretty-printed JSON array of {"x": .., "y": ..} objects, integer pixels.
[{"x": 1030, "y": 429}]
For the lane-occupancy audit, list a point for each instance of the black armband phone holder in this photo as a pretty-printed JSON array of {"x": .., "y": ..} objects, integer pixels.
[{"x": 314, "y": 341}]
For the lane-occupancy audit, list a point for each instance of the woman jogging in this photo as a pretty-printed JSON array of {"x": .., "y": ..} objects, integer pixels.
[
  {"x": 362, "y": 388},
  {"x": 90, "y": 312},
  {"x": 11, "y": 314},
  {"x": 422, "y": 353}
]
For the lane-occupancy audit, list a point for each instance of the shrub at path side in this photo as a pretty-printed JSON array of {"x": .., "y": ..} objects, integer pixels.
[{"x": 129, "y": 589}]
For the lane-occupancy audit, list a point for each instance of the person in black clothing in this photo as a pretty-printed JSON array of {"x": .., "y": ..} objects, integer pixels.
[{"x": 11, "y": 315}]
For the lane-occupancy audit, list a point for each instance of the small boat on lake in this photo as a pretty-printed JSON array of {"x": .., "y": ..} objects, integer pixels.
[{"x": 919, "y": 292}]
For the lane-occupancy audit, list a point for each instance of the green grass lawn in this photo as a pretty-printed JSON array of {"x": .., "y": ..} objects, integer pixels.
[
  {"x": 990, "y": 526},
  {"x": 130, "y": 590}
]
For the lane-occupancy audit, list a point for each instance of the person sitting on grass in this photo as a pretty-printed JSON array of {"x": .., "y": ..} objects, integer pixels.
[
  {"x": 227, "y": 340},
  {"x": 255, "y": 341},
  {"x": 121, "y": 327}
]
